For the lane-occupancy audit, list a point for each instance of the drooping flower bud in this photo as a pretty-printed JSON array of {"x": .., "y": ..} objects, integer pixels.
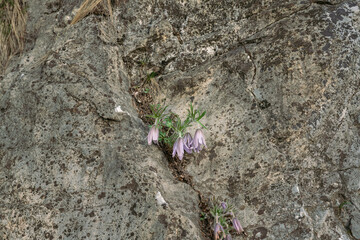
[
  {"x": 228, "y": 237},
  {"x": 223, "y": 206},
  {"x": 188, "y": 141},
  {"x": 237, "y": 225},
  {"x": 178, "y": 148},
  {"x": 153, "y": 135},
  {"x": 198, "y": 141},
  {"x": 217, "y": 231}
]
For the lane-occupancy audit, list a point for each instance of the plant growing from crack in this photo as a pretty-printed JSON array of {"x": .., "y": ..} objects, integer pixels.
[
  {"x": 170, "y": 129},
  {"x": 342, "y": 205},
  {"x": 148, "y": 84},
  {"x": 151, "y": 76},
  {"x": 224, "y": 221}
]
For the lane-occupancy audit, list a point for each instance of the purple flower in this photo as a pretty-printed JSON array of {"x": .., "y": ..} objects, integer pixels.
[
  {"x": 178, "y": 148},
  {"x": 153, "y": 135},
  {"x": 223, "y": 206},
  {"x": 199, "y": 139},
  {"x": 217, "y": 231},
  {"x": 188, "y": 140},
  {"x": 237, "y": 225},
  {"x": 228, "y": 237}
]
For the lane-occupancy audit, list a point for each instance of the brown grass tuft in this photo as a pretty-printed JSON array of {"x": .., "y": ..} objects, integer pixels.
[
  {"x": 12, "y": 30},
  {"x": 89, "y": 6}
]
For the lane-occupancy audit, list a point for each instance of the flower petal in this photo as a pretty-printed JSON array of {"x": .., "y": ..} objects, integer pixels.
[
  {"x": 180, "y": 148},
  {"x": 156, "y": 135},
  {"x": 217, "y": 230},
  {"x": 237, "y": 225},
  {"x": 150, "y": 136},
  {"x": 223, "y": 206},
  {"x": 188, "y": 143},
  {"x": 175, "y": 148}
]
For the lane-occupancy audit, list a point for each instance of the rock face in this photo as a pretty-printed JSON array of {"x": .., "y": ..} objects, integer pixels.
[
  {"x": 280, "y": 83},
  {"x": 71, "y": 166}
]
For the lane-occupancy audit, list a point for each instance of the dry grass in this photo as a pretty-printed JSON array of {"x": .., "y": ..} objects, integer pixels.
[
  {"x": 12, "y": 30},
  {"x": 13, "y": 23},
  {"x": 89, "y": 6}
]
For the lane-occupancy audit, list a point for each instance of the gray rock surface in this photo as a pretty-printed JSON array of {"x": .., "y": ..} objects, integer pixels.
[
  {"x": 280, "y": 83},
  {"x": 355, "y": 226},
  {"x": 71, "y": 166}
]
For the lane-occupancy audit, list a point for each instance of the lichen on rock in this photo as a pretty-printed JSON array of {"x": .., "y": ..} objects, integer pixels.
[{"x": 279, "y": 81}]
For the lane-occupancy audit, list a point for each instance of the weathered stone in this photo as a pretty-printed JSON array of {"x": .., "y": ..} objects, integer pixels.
[
  {"x": 355, "y": 226},
  {"x": 279, "y": 81},
  {"x": 281, "y": 109},
  {"x": 71, "y": 166}
]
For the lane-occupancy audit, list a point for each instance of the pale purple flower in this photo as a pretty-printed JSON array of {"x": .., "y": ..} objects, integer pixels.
[
  {"x": 199, "y": 139},
  {"x": 223, "y": 206},
  {"x": 178, "y": 148},
  {"x": 188, "y": 140},
  {"x": 237, "y": 225},
  {"x": 153, "y": 135},
  {"x": 217, "y": 231},
  {"x": 228, "y": 237}
]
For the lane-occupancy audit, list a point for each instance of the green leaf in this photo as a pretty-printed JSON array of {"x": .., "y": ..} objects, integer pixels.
[
  {"x": 343, "y": 204},
  {"x": 203, "y": 114},
  {"x": 203, "y": 216},
  {"x": 151, "y": 75},
  {"x": 202, "y": 125},
  {"x": 151, "y": 107},
  {"x": 163, "y": 110}
]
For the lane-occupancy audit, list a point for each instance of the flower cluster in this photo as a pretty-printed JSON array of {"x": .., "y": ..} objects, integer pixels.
[
  {"x": 169, "y": 128},
  {"x": 189, "y": 144},
  {"x": 225, "y": 222}
]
